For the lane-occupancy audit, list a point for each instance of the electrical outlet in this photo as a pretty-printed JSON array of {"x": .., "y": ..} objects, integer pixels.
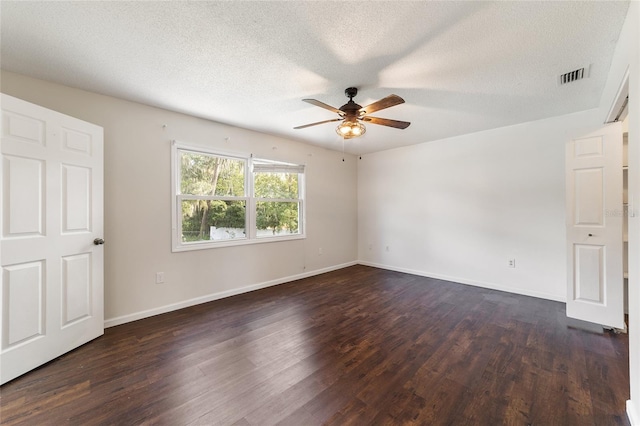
[
  {"x": 159, "y": 277},
  {"x": 387, "y": 248},
  {"x": 511, "y": 263},
  {"x": 320, "y": 251}
]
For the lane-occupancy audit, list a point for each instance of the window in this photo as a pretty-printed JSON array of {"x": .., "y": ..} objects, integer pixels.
[
  {"x": 212, "y": 200},
  {"x": 277, "y": 196},
  {"x": 221, "y": 199}
]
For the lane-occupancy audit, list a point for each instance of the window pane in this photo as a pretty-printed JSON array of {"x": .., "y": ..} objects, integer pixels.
[
  {"x": 277, "y": 218},
  {"x": 205, "y": 220},
  {"x": 276, "y": 185},
  {"x": 203, "y": 174}
]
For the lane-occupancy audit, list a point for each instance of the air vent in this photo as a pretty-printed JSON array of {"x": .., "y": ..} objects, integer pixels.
[{"x": 575, "y": 75}]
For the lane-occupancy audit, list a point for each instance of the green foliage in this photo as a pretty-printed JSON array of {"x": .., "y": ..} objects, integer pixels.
[
  {"x": 204, "y": 174},
  {"x": 276, "y": 185},
  {"x": 277, "y": 216},
  {"x": 218, "y": 213},
  {"x": 234, "y": 215}
]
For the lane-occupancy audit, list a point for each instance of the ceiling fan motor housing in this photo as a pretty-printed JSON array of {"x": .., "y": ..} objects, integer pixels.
[
  {"x": 351, "y": 109},
  {"x": 351, "y": 92}
]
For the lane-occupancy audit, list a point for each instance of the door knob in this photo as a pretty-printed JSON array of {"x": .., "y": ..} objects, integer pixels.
[
  {"x": 98, "y": 241},
  {"x": 591, "y": 235}
]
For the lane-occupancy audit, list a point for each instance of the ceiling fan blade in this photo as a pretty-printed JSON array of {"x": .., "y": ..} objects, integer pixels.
[
  {"x": 323, "y": 105},
  {"x": 387, "y": 122},
  {"x": 319, "y": 122},
  {"x": 383, "y": 103}
]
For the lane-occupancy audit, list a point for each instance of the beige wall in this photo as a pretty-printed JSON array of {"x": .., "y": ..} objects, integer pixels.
[{"x": 138, "y": 203}]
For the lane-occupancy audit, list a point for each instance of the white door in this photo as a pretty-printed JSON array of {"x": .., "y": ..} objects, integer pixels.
[
  {"x": 52, "y": 271},
  {"x": 594, "y": 227}
]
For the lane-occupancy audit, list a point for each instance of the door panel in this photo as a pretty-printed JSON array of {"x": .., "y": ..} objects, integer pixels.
[
  {"x": 594, "y": 227},
  {"x": 23, "y": 290},
  {"x": 76, "y": 285},
  {"x": 74, "y": 141},
  {"x": 23, "y": 189},
  {"x": 76, "y": 202},
  {"x": 22, "y": 128},
  {"x": 52, "y": 279},
  {"x": 588, "y": 147},
  {"x": 589, "y": 267},
  {"x": 589, "y": 202}
]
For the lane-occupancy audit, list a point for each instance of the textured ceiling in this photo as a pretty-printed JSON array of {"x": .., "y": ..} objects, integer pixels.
[{"x": 462, "y": 67}]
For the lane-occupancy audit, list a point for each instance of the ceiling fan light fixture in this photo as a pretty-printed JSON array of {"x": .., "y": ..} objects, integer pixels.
[{"x": 351, "y": 129}]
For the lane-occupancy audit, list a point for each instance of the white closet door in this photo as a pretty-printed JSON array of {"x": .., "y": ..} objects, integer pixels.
[{"x": 594, "y": 227}]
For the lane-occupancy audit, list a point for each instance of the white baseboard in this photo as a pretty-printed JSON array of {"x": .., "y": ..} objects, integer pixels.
[
  {"x": 111, "y": 322},
  {"x": 633, "y": 413},
  {"x": 466, "y": 281}
]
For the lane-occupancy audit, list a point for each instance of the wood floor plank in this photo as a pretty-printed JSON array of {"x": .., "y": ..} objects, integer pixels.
[{"x": 356, "y": 346}]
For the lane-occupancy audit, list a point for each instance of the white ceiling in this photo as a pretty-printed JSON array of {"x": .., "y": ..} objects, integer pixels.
[{"x": 461, "y": 67}]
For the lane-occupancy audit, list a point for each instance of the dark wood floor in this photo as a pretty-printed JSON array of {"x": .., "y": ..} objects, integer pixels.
[{"x": 358, "y": 346}]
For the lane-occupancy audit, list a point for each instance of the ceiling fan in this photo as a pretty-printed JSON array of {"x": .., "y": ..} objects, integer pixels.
[{"x": 351, "y": 114}]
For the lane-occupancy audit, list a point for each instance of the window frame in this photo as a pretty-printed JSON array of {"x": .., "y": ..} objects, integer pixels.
[{"x": 177, "y": 245}]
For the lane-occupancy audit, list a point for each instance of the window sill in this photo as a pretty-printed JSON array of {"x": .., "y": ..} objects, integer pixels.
[{"x": 205, "y": 245}]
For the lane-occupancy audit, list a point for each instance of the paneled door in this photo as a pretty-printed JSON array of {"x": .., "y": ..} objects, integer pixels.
[
  {"x": 51, "y": 239},
  {"x": 594, "y": 227}
]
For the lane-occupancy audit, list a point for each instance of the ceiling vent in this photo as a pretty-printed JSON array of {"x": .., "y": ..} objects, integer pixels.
[{"x": 575, "y": 75}]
